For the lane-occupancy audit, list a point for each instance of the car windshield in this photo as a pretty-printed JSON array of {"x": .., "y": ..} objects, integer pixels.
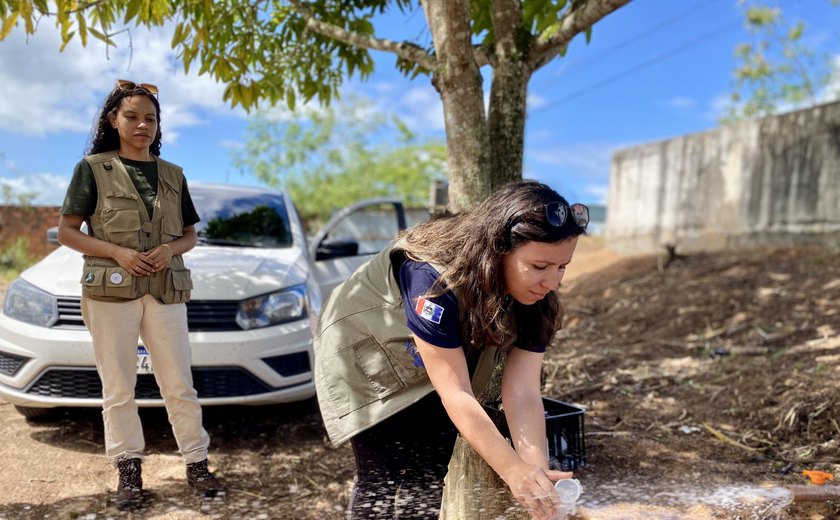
[{"x": 241, "y": 218}]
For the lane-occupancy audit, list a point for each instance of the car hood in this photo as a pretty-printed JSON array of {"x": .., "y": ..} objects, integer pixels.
[{"x": 218, "y": 273}]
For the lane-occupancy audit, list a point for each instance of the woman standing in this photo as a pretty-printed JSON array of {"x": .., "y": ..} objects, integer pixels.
[
  {"x": 406, "y": 344},
  {"x": 140, "y": 220}
]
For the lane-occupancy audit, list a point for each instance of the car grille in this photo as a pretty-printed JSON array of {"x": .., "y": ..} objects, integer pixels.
[
  {"x": 10, "y": 363},
  {"x": 69, "y": 314},
  {"x": 202, "y": 315},
  {"x": 208, "y": 382}
]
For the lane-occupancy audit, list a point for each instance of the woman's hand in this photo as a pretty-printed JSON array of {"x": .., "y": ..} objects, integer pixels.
[
  {"x": 160, "y": 257},
  {"x": 533, "y": 488},
  {"x": 136, "y": 263}
]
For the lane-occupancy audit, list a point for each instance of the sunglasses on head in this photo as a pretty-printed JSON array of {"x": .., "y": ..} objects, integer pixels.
[
  {"x": 126, "y": 85},
  {"x": 556, "y": 214}
]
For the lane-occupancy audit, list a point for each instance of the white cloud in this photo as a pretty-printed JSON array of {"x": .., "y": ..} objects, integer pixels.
[
  {"x": 536, "y": 101},
  {"x": 49, "y": 188},
  {"x": 44, "y": 91},
  {"x": 417, "y": 105},
  {"x": 597, "y": 192},
  {"x": 579, "y": 171},
  {"x": 422, "y": 109},
  {"x": 584, "y": 159},
  {"x": 681, "y": 102},
  {"x": 719, "y": 107}
]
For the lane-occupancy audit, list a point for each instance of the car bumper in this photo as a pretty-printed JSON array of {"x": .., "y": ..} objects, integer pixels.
[{"x": 51, "y": 367}]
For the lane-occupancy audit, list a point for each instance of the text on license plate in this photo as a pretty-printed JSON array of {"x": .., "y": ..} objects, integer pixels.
[{"x": 144, "y": 361}]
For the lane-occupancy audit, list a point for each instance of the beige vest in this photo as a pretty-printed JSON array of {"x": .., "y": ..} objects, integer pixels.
[
  {"x": 365, "y": 368},
  {"x": 121, "y": 218}
]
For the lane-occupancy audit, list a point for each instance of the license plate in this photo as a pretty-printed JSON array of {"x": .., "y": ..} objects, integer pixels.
[{"x": 144, "y": 361}]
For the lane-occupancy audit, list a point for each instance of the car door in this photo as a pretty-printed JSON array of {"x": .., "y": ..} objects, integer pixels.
[{"x": 351, "y": 237}]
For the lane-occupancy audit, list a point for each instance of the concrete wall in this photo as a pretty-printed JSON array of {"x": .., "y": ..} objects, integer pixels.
[
  {"x": 769, "y": 181},
  {"x": 30, "y": 222}
]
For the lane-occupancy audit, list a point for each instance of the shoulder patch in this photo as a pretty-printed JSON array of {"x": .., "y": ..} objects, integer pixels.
[{"x": 428, "y": 310}]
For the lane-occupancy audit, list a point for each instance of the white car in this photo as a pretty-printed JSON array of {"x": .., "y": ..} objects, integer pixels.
[{"x": 258, "y": 287}]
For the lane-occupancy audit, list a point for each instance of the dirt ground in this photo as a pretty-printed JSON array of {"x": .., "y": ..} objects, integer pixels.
[{"x": 710, "y": 384}]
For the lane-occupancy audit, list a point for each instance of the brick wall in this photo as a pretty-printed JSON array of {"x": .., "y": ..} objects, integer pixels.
[{"x": 31, "y": 222}]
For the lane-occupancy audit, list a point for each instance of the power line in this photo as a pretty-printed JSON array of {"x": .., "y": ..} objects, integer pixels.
[
  {"x": 663, "y": 56},
  {"x": 668, "y": 21}
]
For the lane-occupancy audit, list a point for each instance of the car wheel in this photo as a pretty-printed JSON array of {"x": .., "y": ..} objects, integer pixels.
[{"x": 34, "y": 413}]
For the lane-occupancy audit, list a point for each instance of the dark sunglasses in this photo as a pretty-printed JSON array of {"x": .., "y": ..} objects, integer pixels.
[
  {"x": 556, "y": 214},
  {"x": 126, "y": 85}
]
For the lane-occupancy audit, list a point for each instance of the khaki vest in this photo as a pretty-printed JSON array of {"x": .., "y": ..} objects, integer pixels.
[
  {"x": 121, "y": 218},
  {"x": 365, "y": 357}
]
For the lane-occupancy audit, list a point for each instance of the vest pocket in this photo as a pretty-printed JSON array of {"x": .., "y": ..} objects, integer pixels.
[
  {"x": 359, "y": 375},
  {"x": 177, "y": 285},
  {"x": 92, "y": 281},
  {"x": 122, "y": 227},
  {"x": 173, "y": 228},
  {"x": 107, "y": 281}
]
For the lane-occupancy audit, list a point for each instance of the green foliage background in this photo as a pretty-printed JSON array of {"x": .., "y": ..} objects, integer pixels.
[
  {"x": 14, "y": 258},
  {"x": 777, "y": 69},
  {"x": 331, "y": 157}
]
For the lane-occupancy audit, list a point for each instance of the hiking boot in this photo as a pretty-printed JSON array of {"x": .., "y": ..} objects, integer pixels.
[
  {"x": 130, "y": 486},
  {"x": 200, "y": 479}
]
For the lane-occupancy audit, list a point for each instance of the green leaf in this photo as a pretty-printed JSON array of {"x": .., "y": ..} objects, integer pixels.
[
  {"x": 100, "y": 36},
  {"x": 8, "y": 25},
  {"x": 80, "y": 21},
  {"x": 65, "y": 40},
  {"x": 179, "y": 35},
  {"x": 536, "y": 13},
  {"x": 131, "y": 10}
]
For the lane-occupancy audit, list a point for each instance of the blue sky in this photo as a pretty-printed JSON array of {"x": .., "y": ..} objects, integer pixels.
[{"x": 654, "y": 69}]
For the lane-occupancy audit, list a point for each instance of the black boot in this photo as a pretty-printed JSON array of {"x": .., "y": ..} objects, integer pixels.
[
  {"x": 200, "y": 479},
  {"x": 130, "y": 486}
]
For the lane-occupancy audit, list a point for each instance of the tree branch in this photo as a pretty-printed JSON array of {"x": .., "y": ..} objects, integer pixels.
[
  {"x": 405, "y": 50},
  {"x": 554, "y": 38}
]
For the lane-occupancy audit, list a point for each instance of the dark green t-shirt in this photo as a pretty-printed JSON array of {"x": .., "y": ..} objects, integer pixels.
[{"x": 82, "y": 195}]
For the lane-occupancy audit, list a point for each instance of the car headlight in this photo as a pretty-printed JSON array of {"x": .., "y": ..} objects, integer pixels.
[
  {"x": 29, "y": 304},
  {"x": 272, "y": 309}
]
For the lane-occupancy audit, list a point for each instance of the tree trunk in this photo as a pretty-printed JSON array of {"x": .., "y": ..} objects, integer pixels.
[
  {"x": 458, "y": 81},
  {"x": 471, "y": 489},
  {"x": 508, "y": 91}
]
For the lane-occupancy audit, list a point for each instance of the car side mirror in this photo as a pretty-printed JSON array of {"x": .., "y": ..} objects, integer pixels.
[
  {"x": 336, "y": 249},
  {"x": 52, "y": 236}
]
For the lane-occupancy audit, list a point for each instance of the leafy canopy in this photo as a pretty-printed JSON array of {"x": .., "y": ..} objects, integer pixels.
[{"x": 274, "y": 50}]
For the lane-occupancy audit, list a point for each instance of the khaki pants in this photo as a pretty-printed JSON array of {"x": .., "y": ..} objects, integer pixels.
[{"x": 115, "y": 328}]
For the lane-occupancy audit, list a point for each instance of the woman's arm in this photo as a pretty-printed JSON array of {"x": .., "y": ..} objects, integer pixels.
[
  {"x": 529, "y": 482},
  {"x": 522, "y": 402}
]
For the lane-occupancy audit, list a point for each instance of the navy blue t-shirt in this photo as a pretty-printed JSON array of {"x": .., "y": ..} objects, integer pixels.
[{"x": 434, "y": 320}]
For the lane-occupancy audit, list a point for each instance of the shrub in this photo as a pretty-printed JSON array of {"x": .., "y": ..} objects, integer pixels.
[{"x": 15, "y": 257}]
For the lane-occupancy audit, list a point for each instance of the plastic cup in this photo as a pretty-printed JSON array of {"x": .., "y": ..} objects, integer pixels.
[{"x": 568, "y": 490}]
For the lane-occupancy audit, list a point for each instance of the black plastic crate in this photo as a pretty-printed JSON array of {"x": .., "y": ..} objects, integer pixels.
[{"x": 563, "y": 429}]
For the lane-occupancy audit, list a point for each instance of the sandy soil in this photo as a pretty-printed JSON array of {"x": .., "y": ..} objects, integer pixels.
[{"x": 709, "y": 385}]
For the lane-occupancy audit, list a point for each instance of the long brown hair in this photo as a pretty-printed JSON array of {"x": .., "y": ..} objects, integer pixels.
[
  {"x": 471, "y": 245},
  {"x": 104, "y": 137}
]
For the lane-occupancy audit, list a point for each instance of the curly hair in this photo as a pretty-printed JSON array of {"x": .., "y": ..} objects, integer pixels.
[
  {"x": 471, "y": 245},
  {"x": 104, "y": 137}
]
